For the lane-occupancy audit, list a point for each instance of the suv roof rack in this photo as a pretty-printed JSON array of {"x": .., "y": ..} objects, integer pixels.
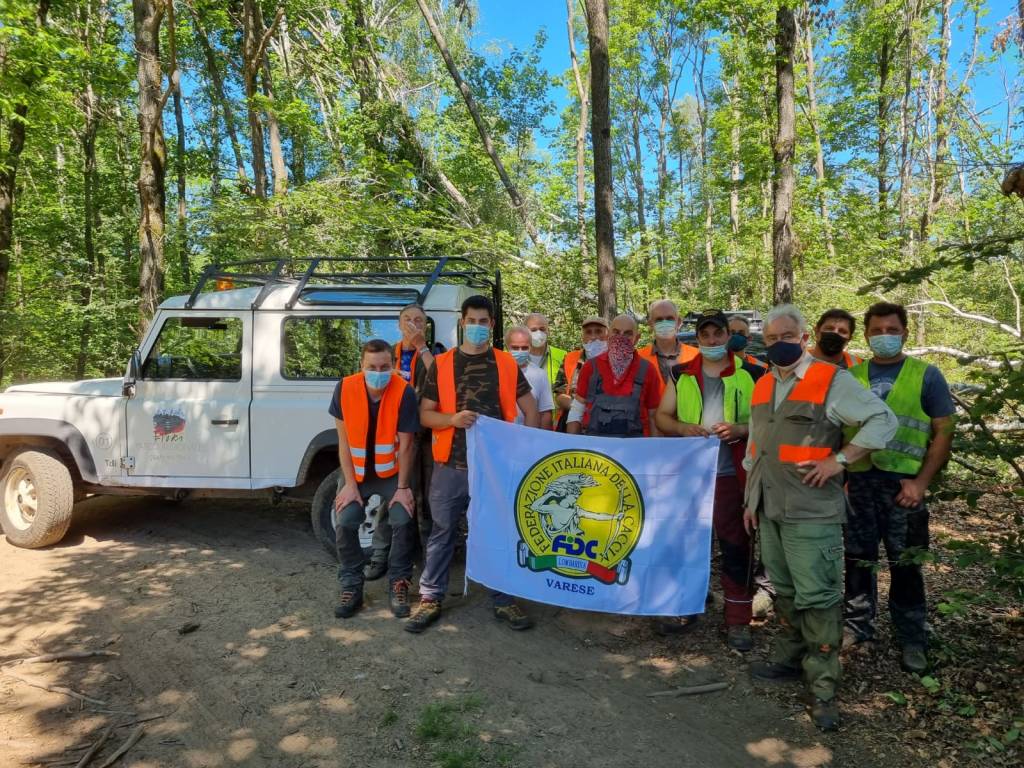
[{"x": 331, "y": 271}]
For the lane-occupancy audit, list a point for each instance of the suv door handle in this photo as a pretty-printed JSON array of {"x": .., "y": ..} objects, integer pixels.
[{"x": 224, "y": 422}]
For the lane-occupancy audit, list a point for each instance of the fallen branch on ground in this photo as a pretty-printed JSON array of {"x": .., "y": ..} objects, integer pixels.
[
  {"x": 95, "y": 748},
  {"x": 42, "y": 684},
  {"x": 691, "y": 690},
  {"x": 140, "y": 720},
  {"x": 130, "y": 742},
  {"x": 62, "y": 656}
]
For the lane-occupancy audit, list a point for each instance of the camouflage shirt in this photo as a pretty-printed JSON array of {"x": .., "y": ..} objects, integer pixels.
[{"x": 476, "y": 389}]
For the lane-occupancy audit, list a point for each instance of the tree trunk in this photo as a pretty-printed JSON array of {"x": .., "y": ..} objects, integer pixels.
[
  {"x": 782, "y": 152},
  {"x": 601, "y": 135},
  {"x": 217, "y": 96},
  {"x": 9, "y": 158},
  {"x": 252, "y": 34},
  {"x": 277, "y": 164},
  {"x": 581, "y": 137},
  {"x": 179, "y": 142},
  {"x": 882, "y": 117},
  {"x": 940, "y": 163},
  {"x": 636, "y": 172},
  {"x": 734, "y": 155},
  {"x": 807, "y": 43},
  {"x": 88, "y": 141},
  {"x": 147, "y": 17},
  {"x": 485, "y": 136}
]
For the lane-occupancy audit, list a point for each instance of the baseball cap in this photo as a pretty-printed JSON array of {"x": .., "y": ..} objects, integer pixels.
[
  {"x": 594, "y": 320},
  {"x": 712, "y": 317}
]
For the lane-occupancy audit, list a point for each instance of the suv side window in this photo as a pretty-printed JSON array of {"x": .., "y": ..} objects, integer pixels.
[
  {"x": 196, "y": 349},
  {"x": 328, "y": 347}
]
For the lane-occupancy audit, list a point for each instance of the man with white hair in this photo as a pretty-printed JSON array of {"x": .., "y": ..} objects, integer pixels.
[
  {"x": 666, "y": 350},
  {"x": 517, "y": 344},
  {"x": 796, "y": 461}
]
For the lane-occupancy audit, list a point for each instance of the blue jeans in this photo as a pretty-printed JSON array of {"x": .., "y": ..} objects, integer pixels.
[{"x": 449, "y": 499}]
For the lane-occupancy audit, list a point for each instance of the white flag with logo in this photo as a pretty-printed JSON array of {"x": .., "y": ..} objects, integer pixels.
[{"x": 594, "y": 523}]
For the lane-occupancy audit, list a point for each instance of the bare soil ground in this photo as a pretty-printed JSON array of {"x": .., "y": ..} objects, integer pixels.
[{"x": 270, "y": 678}]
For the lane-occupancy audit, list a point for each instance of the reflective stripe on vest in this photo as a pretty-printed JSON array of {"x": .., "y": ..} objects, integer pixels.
[
  {"x": 851, "y": 360},
  {"x": 508, "y": 378},
  {"x": 739, "y": 387},
  {"x": 355, "y": 407},
  {"x": 813, "y": 389},
  {"x": 906, "y": 451}
]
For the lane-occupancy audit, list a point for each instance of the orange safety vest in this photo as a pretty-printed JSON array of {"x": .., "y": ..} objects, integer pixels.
[
  {"x": 355, "y": 406},
  {"x": 508, "y": 378},
  {"x": 754, "y": 361},
  {"x": 412, "y": 365},
  {"x": 812, "y": 389},
  {"x": 569, "y": 364},
  {"x": 686, "y": 354}
]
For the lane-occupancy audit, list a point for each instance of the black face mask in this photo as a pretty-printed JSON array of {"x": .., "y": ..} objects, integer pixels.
[
  {"x": 737, "y": 342},
  {"x": 830, "y": 343},
  {"x": 785, "y": 353}
]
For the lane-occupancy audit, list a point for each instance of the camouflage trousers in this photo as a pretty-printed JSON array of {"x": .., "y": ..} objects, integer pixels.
[
  {"x": 875, "y": 517},
  {"x": 805, "y": 563}
]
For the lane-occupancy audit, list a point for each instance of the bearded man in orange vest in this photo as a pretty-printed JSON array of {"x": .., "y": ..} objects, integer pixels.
[
  {"x": 474, "y": 379},
  {"x": 377, "y": 420}
]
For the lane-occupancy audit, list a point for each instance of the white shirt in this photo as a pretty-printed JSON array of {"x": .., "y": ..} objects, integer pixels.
[{"x": 541, "y": 388}]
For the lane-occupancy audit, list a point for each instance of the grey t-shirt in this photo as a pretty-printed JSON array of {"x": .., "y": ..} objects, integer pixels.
[{"x": 713, "y": 412}]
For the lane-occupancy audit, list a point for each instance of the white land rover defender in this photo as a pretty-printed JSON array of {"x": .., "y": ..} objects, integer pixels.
[{"x": 227, "y": 394}]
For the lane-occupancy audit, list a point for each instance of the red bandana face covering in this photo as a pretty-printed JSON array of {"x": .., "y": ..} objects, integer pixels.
[{"x": 620, "y": 354}]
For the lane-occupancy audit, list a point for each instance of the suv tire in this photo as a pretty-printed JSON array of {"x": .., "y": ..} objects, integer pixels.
[
  {"x": 322, "y": 516},
  {"x": 37, "y": 495}
]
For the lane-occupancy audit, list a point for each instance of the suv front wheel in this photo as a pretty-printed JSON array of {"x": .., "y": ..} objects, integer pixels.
[
  {"x": 322, "y": 516},
  {"x": 37, "y": 497}
]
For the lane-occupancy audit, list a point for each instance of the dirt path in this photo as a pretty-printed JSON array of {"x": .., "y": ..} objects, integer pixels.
[{"x": 271, "y": 678}]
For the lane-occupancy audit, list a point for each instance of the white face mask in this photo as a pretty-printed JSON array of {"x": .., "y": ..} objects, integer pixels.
[
  {"x": 538, "y": 338},
  {"x": 595, "y": 347}
]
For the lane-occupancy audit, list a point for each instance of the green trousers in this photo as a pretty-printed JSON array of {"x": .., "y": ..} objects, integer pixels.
[{"x": 805, "y": 564}]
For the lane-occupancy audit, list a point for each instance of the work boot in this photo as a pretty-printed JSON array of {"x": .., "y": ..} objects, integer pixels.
[
  {"x": 774, "y": 672},
  {"x": 513, "y": 615},
  {"x": 914, "y": 659},
  {"x": 825, "y": 714},
  {"x": 677, "y": 625},
  {"x": 427, "y": 612},
  {"x": 375, "y": 570},
  {"x": 739, "y": 638},
  {"x": 398, "y": 598},
  {"x": 351, "y": 601}
]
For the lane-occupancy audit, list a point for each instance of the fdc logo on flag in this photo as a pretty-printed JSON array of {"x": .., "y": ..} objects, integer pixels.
[
  {"x": 596, "y": 523},
  {"x": 579, "y": 514}
]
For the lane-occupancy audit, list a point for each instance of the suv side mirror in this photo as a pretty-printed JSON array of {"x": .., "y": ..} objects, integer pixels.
[{"x": 134, "y": 366}]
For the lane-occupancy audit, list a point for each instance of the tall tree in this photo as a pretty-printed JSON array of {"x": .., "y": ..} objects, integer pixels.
[
  {"x": 601, "y": 136},
  {"x": 15, "y": 127},
  {"x": 474, "y": 110},
  {"x": 179, "y": 153},
  {"x": 148, "y": 15},
  {"x": 784, "y": 184},
  {"x": 581, "y": 135}
]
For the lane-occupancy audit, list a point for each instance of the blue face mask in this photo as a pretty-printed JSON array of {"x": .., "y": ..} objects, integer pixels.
[
  {"x": 665, "y": 329},
  {"x": 886, "y": 346},
  {"x": 714, "y": 354},
  {"x": 522, "y": 356},
  {"x": 377, "y": 379},
  {"x": 738, "y": 342},
  {"x": 476, "y": 334}
]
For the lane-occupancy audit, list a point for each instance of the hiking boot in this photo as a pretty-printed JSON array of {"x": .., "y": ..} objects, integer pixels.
[
  {"x": 914, "y": 659},
  {"x": 513, "y": 615},
  {"x": 678, "y": 625},
  {"x": 426, "y": 613},
  {"x": 825, "y": 714},
  {"x": 773, "y": 672},
  {"x": 398, "y": 598},
  {"x": 351, "y": 601},
  {"x": 375, "y": 570},
  {"x": 739, "y": 638}
]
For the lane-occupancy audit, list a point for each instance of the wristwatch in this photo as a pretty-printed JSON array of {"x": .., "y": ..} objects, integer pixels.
[{"x": 842, "y": 460}]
